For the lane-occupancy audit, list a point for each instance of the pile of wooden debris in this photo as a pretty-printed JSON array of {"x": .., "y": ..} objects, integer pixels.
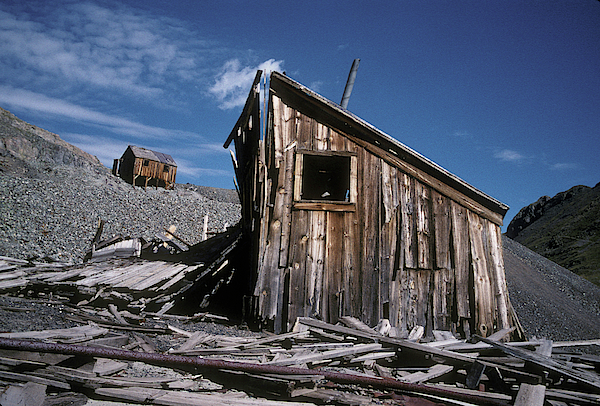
[
  {"x": 152, "y": 282},
  {"x": 346, "y": 364},
  {"x": 123, "y": 307}
]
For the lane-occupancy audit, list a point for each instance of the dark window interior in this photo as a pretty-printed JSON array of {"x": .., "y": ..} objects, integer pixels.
[
  {"x": 326, "y": 178},
  {"x": 146, "y": 162},
  {"x": 166, "y": 168}
]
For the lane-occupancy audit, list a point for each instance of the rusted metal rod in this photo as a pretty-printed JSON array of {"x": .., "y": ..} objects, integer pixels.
[{"x": 168, "y": 360}]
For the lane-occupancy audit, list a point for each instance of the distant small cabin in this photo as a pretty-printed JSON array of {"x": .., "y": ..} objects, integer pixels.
[
  {"x": 143, "y": 167},
  {"x": 340, "y": 219}
]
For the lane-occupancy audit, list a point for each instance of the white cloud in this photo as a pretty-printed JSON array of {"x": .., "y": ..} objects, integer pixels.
[
  {"x": 233, "y": 82},
  {"x": 185, "y": 167},
  {"x": 316, "y": 85},
  {"x": 104, "y": 148},
  {"x": 509, "y": 155},
  {"x": 563, "y": 166},
  {"x": 118, "y": 49},
  {"x": 24, "y": 99}
]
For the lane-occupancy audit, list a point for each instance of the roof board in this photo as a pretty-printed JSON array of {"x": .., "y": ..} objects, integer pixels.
[{"x": 144, "y": 153}]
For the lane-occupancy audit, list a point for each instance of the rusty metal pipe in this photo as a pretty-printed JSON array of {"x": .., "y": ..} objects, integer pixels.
[{"x": 168, "y": 360}]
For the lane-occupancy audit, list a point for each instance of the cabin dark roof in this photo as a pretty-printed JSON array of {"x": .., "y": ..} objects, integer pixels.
[
  {"x": 144, "y": 153},
  {"x": 326, "y": 111}
]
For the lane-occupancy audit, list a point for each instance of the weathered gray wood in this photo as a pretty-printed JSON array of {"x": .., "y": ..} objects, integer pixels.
[
  {"x": 315, "y": 263},
  {"x": 333, "y": 267},
  {"x": 534, "y": 395},
  {"x": 370, "y": 199},
  {"x": 430, "y": 181},
  {"x": 300, "y": 235},
  {"x": 396, "y": 263},
  {"x": 104, "y": 367},
  {"x": 442, "y": 226},
  {"x": 418, "y": 290},
  {"x": 14, "y": 283},
  {"x": 29, "y": 394},
  {"x": 442, "y": 298},
  {"x": 496, "y": 264},
  {"x": 268, "y": 289},
  {"x": 560, "y": 396},
  {"x": 166, "y": 273},
  {"x": 80, "y": 332},
  {"x": 286, "y": 217},
  {"x": 149, "y": 274},
  {"x": 14, "y": 274},
  {"x": 582, "y": 377},
  {"x": 408, "y": 209},
  {"x": 460, "y": 250},
  {"x": 484, "y": 299},
  {"x": 350, "y": 264},
  {"x": 179, "y": 398},
  {"x": 424, "y": 240},
  {"x": 14, "y": 376},
  {"x": 433, "y": 372},
  {"x": 327, "y": 355},
  {"x": 389, "y": 235},
  {"x": 324, "y": 206},
  {"x": 452, "y": 358}
]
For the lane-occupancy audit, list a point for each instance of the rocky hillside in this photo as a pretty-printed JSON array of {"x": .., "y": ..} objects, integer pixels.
[
  {"x": 52, "y": 196},
  {"x": 29, "y": 150},
  {"x": 564, "y": 229}
]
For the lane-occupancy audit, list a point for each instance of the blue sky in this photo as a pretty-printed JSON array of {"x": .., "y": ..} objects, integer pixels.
[{"x": 505, "y": 94}]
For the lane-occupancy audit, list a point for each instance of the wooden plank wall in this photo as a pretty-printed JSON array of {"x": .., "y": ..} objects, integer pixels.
[
  {"x": 249, "y": 166},
  {"x": 407, "y": 253},
  {"x": 154, "y": 170}
]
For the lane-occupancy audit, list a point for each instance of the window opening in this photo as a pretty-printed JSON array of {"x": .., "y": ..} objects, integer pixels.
[
  {"x": 326, "y": 178},
  {"x": 146, "y": 162},
  {"x": 166, "y": 168}
]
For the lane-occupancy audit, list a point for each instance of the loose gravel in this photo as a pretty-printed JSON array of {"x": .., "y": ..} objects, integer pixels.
[
  {"x": 57, "y": 215},
  {"x": 550, "y": 301}
]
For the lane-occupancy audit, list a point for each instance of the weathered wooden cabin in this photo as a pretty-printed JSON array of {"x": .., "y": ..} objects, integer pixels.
[
  {"x": 342, "y": 219},
  {"x": 143, "y": 167}
]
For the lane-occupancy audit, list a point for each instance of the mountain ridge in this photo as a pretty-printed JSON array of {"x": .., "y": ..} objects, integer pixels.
[
  {"x": 30, "y": 150},
  {"x": 564, "y": 228}
]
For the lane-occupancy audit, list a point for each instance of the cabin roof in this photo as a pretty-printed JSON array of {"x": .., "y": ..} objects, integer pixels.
[
  {"x": 318, "y": 107},
  {"x": 144, "y": 153}
]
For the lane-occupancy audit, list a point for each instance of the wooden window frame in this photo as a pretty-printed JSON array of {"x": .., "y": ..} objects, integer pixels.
[{"x": 325, "y": 205}]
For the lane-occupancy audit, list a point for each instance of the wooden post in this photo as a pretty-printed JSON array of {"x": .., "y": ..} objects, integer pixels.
[{"x": 205, "y": 228}]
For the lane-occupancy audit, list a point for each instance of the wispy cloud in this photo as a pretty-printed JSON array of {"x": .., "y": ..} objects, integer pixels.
[
  {"x": 75, "y": 45},
  {"x": 508, "y": 155},
  {"x": 512, "y": 156},
  {"x": 107, "y": 67},
  {"x": 316, "y": 85},
  {"x": 188, "y": 167},
  {"x": 233, "y": 82},
  {"x": 104, "y": 148},
  {"x": 82, "y": 50},
  {"x": 563, "y": 166},
  {"x": 60, "y": 109},
  {"x": 464, "y": 135}
]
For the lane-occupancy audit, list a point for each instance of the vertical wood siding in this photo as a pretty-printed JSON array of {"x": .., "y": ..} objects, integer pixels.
[{"x": 407, "y": 252}]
